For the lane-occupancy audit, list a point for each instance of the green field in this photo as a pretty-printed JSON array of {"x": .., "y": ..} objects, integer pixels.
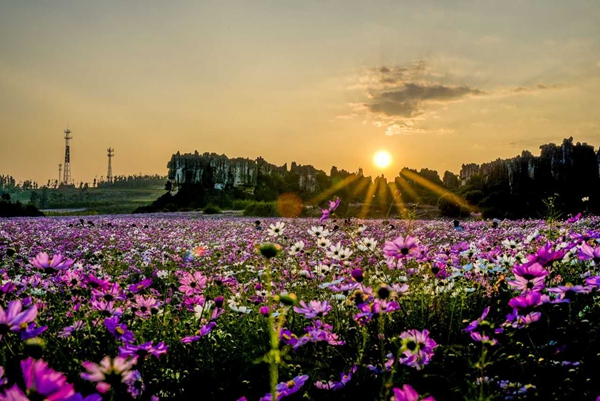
[{"x": 93, "y": 200}]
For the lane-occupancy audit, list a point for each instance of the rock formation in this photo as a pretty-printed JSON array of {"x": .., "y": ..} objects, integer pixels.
[
  {"x": 556, "y": 165},
  {"x": 220, "y": 172}
]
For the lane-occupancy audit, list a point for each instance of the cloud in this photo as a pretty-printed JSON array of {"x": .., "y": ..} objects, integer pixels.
[
  {"x": 408, "y": 99},
  {"x": 398, "y": 93},
  {"x": 409, "y": 129},
  {"x": 536, "y": 88}
]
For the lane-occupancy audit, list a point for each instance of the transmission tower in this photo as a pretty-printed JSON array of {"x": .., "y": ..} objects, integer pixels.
[
  {"x": 111, "y": 153},
  {"x": 67, "y": 171},
  {"x": 59, "y": 173}
]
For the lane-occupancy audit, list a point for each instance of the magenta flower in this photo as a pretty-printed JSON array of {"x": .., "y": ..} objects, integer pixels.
[
  {"x": 13, "y": 319},
  {"x": 143, "y": 350},
  {"x": 204, "y": 330},
  {"x": 41, "y": 382},
  {"x": 401, "y": 248},
  {"x": 545, "y": 256},
  {"x": 109, "y": 372},
  {"x": 473, "y": 325},
  {"x": 530, "y": 271},
  {"x": 417, "y": 348},
  {"x": 407, "y": 393},
  {"x": 118, "y": 330},
  {"x": 142, "y": 285},
  {"x": 326, "y": 213},
  {"x": 313, "y": 309},
  {"x": 58, "y": 262},
  {"x": 319, "y": 331},
  {"x": 191, "y": 284},
  {"x": 526, "y": 301},
  {"x": 284, "y": 389},
  {"x": 588, "y": 253}
]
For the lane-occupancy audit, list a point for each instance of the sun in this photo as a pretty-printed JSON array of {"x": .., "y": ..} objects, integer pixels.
[{"x": 382, "y": 159}]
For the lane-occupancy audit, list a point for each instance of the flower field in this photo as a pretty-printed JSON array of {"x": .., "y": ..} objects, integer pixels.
[{"x": 184, "y": 307}]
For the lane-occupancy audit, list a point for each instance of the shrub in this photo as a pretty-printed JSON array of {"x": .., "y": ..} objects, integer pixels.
[
  {"x": 211, "y": 209},
  {"x": 261, "y": 209}
]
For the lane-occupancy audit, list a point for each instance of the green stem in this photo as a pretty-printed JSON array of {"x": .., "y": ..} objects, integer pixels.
[{"x": 274, "y": 357}]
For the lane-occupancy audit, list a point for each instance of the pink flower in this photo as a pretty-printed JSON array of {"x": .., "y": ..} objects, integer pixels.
[
  {"x": 407, "y": 393},
  {"x": 115, "y": 371},
  {"x": 401, "y": 248},
  {"x": 58, "y": 262},
  {"x": 13, "y": 319}
]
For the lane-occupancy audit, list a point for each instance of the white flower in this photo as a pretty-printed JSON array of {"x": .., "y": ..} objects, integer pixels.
[
  {"x": 240, "y": 309},
  {"x": 297, "y": 247},
  {"x": 323, "y": 243},
  {"x": 162, "y": 274},
  {"x": 338, "y": 252},
  {"x": 322, "y": 269},
  {"x": 585, "y": 199},
  {"x": 511, "y": 244},
  {"x": 318, "y": 231},
  {"x": 367, "y": 244},
  {"x": 276, "y": 229}
]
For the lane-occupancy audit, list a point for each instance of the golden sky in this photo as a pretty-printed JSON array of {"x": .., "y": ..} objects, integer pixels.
[{"x": 436, "y": 83}]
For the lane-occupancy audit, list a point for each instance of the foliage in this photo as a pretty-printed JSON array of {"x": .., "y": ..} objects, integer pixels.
[
  {"x": 211, "y": 209},
  {"x": 261, "y": 209}
]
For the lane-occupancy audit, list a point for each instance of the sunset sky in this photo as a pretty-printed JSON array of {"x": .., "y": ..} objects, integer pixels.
[{"x": 436, "y": 83}]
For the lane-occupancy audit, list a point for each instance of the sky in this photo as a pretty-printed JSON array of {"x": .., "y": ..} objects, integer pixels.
[{"x": 437, "y": 83}]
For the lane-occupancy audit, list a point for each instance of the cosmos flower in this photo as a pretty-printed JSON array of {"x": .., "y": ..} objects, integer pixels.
[
  {"x": 284, "y": 389},
  {"x": 41, "y": 382},
  {"x": 13, "y": 319},
  {"x": 118, "y": 330},
  {"x": 57, "y": 263},
  {"x": 407, "y": 393},
  {"x": 109, "y": 372},
  {"x": 401, "y": 248},
  {"x": 192, "y": 283},
  {"x": 313, "y": 309},
  {"x": 326, "y": 213},
  {"x": 417, "y": 348},
  {"x": 143, "y": 350},
  {"x": 275, "y": 230},
  {"x": 337, "y": 385},
  {"x": 204, "y": 330}
]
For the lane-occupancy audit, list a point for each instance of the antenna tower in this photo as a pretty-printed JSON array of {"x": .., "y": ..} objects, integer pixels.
[
  {"x": 111, "y": 154},
  {"x": 67, "y": 171},
  {"x": 59, "y": 173}
]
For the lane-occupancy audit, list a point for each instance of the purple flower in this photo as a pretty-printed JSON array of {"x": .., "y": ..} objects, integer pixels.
[
  {"x": 313, "y": 309},
  {"x": 13, "y": 319},
  {"x": 319, "y": 331},
  {"x": 417, "y": 348},
  {"x": 42, "y": 382},
  {"x": 58, "y": 262},
  {"x": 326, "y": 213},
  {"x": 401, "y": 248},
  {"x": 473, "y": 325},
  {"x": 143, "y": 350},
  {"x": 118, "y": 330},
  {"x": 142, "y": 285},
  {"x": 284, "y": 389},
  {"x": 407, "y": 393},
  {"x": 588, "y": 253},
  {"x": 331, "y": 385},
  {"x": 204, "y": 330}
]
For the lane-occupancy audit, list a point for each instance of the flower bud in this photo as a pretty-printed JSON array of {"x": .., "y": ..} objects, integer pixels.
[
  {"x": 288, "y": 299},
  {"x": 357, "y": 275}
]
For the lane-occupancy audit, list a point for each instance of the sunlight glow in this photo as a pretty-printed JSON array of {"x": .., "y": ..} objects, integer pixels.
[{"x": 382, "y": 159}]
